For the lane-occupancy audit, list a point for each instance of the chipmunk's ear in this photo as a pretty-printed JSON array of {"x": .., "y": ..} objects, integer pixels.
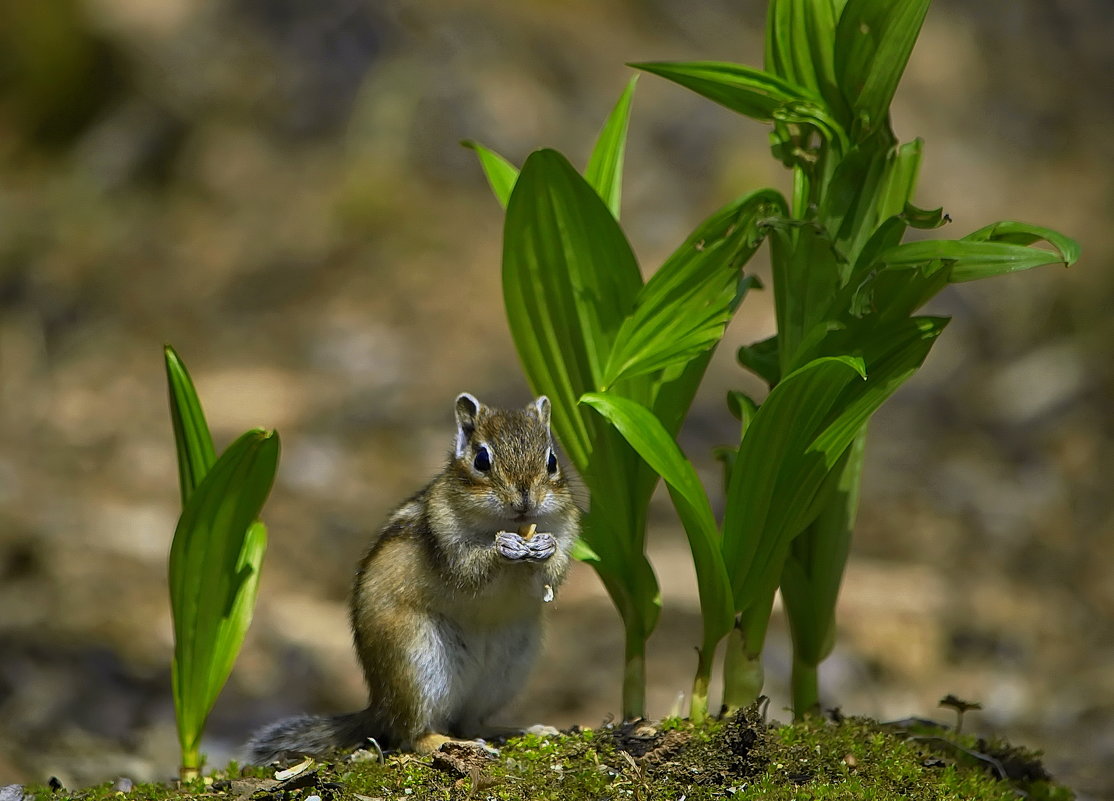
[
  {"x": 542, "y": 408},
  {"x": 467, "y": 408}
]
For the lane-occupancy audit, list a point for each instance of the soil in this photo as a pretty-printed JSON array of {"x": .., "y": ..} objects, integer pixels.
[{"x": 740, "y": 757}]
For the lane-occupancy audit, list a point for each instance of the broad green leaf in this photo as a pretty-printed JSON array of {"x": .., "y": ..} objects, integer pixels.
[
  {"x": 1019, "y": 233},
  {"x": 798, "y": 435},
  {"x": 967, "y": 260},
  {"x": 726, "y": 456},
  {"x": 767, "y": 472},
  {"x": 213, "y": 571},
  {"x": 808, "y": 139},
  {"x": 872, "y": 184},
  {"x": 605, "y": 167},
  {"x": 234, "y": 626},
  {"x": 762, "y": 359},
  {"x": 886, "y": 236},
  {"x": 653, "y": 443},
  {"x": 892, "y": 295},
  {"x": 903, "y": 163},
  {"x": 900, "y": 278},
  {"x": 892, "y": 353},
  {"x": 813, "y": 570},
  {"x": 583, "y": 552},
  {"x": 746, "y": 90},
  {"x": 742, "y": 407},
  {"x": 569, "y": 281},
  {"x": 817, "y": 117},
  {"x": 925, "y": 219},
  {"x": 685, "y": 306},
  {"x": 852, "y": 191},
  {"x": 500, "y": 173},
  {"x": 782, "y": 237},
  {"x": 799, "y": 41},
  {"x": 806, "y": 276},
  {"x": 873, "y": 41},
  {"x": 191, "y": 433},
  {"x": 676, "y": 388}
]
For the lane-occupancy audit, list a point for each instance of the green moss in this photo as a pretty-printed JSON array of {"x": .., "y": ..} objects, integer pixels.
[{"x": 741, "y": 758}]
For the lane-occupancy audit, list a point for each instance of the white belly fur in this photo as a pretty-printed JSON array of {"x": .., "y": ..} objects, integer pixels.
[{"x": 473, "y": 669}]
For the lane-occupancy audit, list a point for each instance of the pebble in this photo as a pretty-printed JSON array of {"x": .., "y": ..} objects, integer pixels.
[
  {"x": 542, "y": 730},
  {"x": 123, "y": 785},
  {"x": 14, "y": 792},
  {"x": 364, "y": 755}
]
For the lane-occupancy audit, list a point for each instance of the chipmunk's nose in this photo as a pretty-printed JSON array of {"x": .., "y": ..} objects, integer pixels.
[{"x": 523, "y": 503}]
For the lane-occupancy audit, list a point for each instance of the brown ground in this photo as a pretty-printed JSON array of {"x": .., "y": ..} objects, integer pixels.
[{"x": 279, "y": 193}]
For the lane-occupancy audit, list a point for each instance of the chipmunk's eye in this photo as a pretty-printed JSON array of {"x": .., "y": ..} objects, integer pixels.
[
  {"x": 551, "y": 463},
  {"x": 482, "y": 462}
]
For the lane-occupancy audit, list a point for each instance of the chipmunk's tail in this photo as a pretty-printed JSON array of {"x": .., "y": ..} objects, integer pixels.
[{"x": 309, "y": 736}]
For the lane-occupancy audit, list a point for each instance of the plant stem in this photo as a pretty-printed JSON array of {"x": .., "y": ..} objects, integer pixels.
[
  {"x": 742, "y": 673},
  {"x": 191, "y": 764},
  {"x": 634, "y": 675},
  {"x": 698, "y": 709},
  {"x": 806, "y": 688}
]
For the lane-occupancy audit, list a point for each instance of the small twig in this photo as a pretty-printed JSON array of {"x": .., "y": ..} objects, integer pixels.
[
  {"x": 378, "y": 749},
  {"x": 999, "y": 768}
]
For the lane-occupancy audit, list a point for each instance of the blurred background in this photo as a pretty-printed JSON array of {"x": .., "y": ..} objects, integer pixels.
[{"x": 277, "y": 188}]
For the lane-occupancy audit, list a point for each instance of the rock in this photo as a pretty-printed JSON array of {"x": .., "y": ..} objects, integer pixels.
[
  {"x": 14, "y": 792},
  {"x": 123, "y": 785}
]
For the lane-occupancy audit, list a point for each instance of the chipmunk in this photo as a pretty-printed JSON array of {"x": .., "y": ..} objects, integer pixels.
[{"x": 446, "y": 604}]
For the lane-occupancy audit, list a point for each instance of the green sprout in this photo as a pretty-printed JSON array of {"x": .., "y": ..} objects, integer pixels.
[
  {"x": 622, "y": 359},
  {"x": 215, "y": 556}
]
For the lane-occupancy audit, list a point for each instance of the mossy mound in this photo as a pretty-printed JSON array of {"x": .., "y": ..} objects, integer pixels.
[{"x": 739, "y": 758}]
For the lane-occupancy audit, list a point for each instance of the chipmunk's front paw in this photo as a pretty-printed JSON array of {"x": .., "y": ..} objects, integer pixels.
[
  {"x": 535, "y": 547},
  {"x": 540, "y": 547},
  {"x": 511, "y": 546}
]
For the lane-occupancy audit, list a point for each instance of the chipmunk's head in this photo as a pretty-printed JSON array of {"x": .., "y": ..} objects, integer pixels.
[{"x": 505, "y": 462}]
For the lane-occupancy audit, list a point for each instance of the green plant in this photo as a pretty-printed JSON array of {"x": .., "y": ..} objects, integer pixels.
[
  {"x": 845, "y": 291},
  {"x": 583, "y": 320},
  {"x": 215, "y": 556},
  {"x": 846, "y": 288}
]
